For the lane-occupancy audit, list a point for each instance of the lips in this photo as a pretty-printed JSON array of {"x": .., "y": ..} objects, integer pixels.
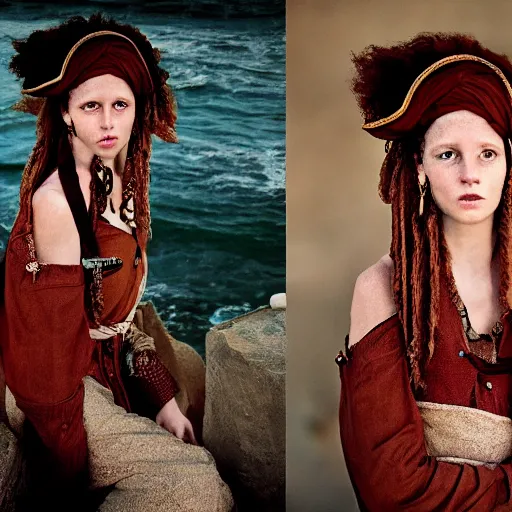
[
  {"x": 107, "y": 142},
  {"x": 470, "y": 197}
]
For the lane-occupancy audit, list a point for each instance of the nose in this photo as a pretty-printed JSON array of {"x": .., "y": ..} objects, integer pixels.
[
  {"x": 469, "y": 173},
  {"x": 106, "y": 119}
]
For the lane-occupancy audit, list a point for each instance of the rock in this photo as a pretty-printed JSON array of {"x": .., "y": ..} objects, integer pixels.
[
  {"x": 11, "y": 465},
  {"x": 3, "y": 388},
  {"x": 244, "y": 423},
  {"x": 182, "y": 361},
  {"x": 278, "y": 301},
  {"x": 15, "y": 416},
  {"x": 11, "y": 458}
]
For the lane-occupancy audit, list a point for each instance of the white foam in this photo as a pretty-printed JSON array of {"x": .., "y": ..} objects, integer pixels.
[{"x": 225, "y": 313}]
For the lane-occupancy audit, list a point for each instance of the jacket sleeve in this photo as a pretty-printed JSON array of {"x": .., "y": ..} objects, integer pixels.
[
  {"x": 157, "y": 383},
  {"x": 154, "y": 380},
  {"x": 46, "y": 351},
  {"x": 382, "y": 437}
]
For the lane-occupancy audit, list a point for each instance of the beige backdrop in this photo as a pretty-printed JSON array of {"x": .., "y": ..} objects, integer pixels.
[{"x": 336, "y": 224}]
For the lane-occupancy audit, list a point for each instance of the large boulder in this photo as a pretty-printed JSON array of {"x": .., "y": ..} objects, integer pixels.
[
  {"x": 11, "y": 464},
  {"x": 11, "y": 458},
  {"x": 244, "y": 422}
]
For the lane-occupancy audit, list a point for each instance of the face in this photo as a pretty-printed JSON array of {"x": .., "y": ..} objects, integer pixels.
[
  {"x": 103, "y": 111},
  {"x": 464, "y": 161}
]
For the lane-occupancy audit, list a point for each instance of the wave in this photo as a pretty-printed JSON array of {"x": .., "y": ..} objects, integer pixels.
[
  {"x": 192, "y": 83},
  {"x": 225, "y": 313},
  {"x": 259, "y": 71},
  {"x": 260, "y": 171}
]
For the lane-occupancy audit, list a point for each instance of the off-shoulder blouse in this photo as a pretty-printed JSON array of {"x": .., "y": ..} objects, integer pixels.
[{"x": 382, "y": 430}]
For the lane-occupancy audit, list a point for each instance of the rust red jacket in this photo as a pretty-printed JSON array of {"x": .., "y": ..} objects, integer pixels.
[{"x": 382, "y": 430}]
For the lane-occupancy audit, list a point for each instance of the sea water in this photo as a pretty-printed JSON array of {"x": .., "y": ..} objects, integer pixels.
[{"x": 218, "y": 197}]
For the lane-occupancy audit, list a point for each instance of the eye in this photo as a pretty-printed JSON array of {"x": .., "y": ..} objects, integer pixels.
[
  {"x": 447, "y": 155},
  {"x": 488, "y": 154},
  {"x": 90, "y": 106},
  {"x": 120, "y": 105}
]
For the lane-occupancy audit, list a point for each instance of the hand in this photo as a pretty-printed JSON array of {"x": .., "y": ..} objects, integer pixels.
[{"x": 172, "y": 419}]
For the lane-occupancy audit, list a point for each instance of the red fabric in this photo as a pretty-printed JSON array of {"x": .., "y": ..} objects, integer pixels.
[
  {"x": 144, "y": 393},
  {"x": 382, "y": 430},
  {"x": 103, "y": 55},
  {"x": 47, "y": 350},
  {"x": 121, "y": 288},
  {"x": 157, "y": 385},
  {"x": 463, "y": 85},
  {"x": 106, "y": 369},
  {"x": 120, "y": 293}
]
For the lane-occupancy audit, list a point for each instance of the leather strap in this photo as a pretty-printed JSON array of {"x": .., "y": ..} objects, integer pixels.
[{"x": 71, "y": 186}]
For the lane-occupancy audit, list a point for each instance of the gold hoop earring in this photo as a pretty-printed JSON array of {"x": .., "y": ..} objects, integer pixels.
[{"x": 423, "y": 189}]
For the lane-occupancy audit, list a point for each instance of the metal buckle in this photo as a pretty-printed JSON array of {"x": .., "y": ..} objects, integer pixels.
[{"x": 105, "y": 264}]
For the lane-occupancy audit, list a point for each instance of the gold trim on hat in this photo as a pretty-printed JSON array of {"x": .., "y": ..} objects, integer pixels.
[
  {"x": 75, "y": 47},
  {"x": 428, "y": 71}
]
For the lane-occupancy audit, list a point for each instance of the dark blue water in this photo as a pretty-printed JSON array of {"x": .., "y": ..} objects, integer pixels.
[{"x": 217, "y": 198}]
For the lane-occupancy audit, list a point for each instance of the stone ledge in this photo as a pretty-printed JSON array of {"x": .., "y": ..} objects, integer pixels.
[{"x": 244, "y": 423}]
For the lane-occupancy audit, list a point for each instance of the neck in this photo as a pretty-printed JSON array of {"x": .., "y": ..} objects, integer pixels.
[
  {"x": 471, "y": 246},
  {"x": 118, "y": 162}
]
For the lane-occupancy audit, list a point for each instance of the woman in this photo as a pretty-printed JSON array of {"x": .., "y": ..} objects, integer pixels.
[
  {"x": 75, "y": 270},
  {"x": 426, "y": 398}
]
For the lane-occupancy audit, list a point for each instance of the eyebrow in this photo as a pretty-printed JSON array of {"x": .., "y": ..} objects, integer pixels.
[
  {"x": 118, "y": 98},
  {"x": 455, "y": 145}
]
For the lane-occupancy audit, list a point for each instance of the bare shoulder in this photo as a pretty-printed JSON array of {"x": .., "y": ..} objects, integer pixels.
[
  {"x": 372, "y": 302},
  {"x": 55, "y": 235}
]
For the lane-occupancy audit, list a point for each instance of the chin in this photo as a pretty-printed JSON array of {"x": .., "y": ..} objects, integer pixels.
[
  {"x": 107, "y": 154},
  {"x": 470, "y": 218}
]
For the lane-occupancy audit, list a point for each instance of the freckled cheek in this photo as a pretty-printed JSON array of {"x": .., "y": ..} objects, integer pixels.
[
  {"x": 126, "y": 130},
  {"x": 85, "y": 124},
  {"x": 497, "y": 188},
  {"x": 128, "y": 126},
  {"x": 84, "y": 131},
  {"x": 441, "y": 186},
  {"x": 89, "y": 132}
]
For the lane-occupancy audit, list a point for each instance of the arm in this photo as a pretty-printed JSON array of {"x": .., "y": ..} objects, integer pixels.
[
  {"x": 47, "y": 348},
  {"x": 155, "y": 380},
  {"x": 160, "y": 388},
  {"x": 382, "y": 430},
  {"x": 55, "y": 235}
]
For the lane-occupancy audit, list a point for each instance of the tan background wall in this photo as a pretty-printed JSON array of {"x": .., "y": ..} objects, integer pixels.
[{"x": 337, "y": 225}]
